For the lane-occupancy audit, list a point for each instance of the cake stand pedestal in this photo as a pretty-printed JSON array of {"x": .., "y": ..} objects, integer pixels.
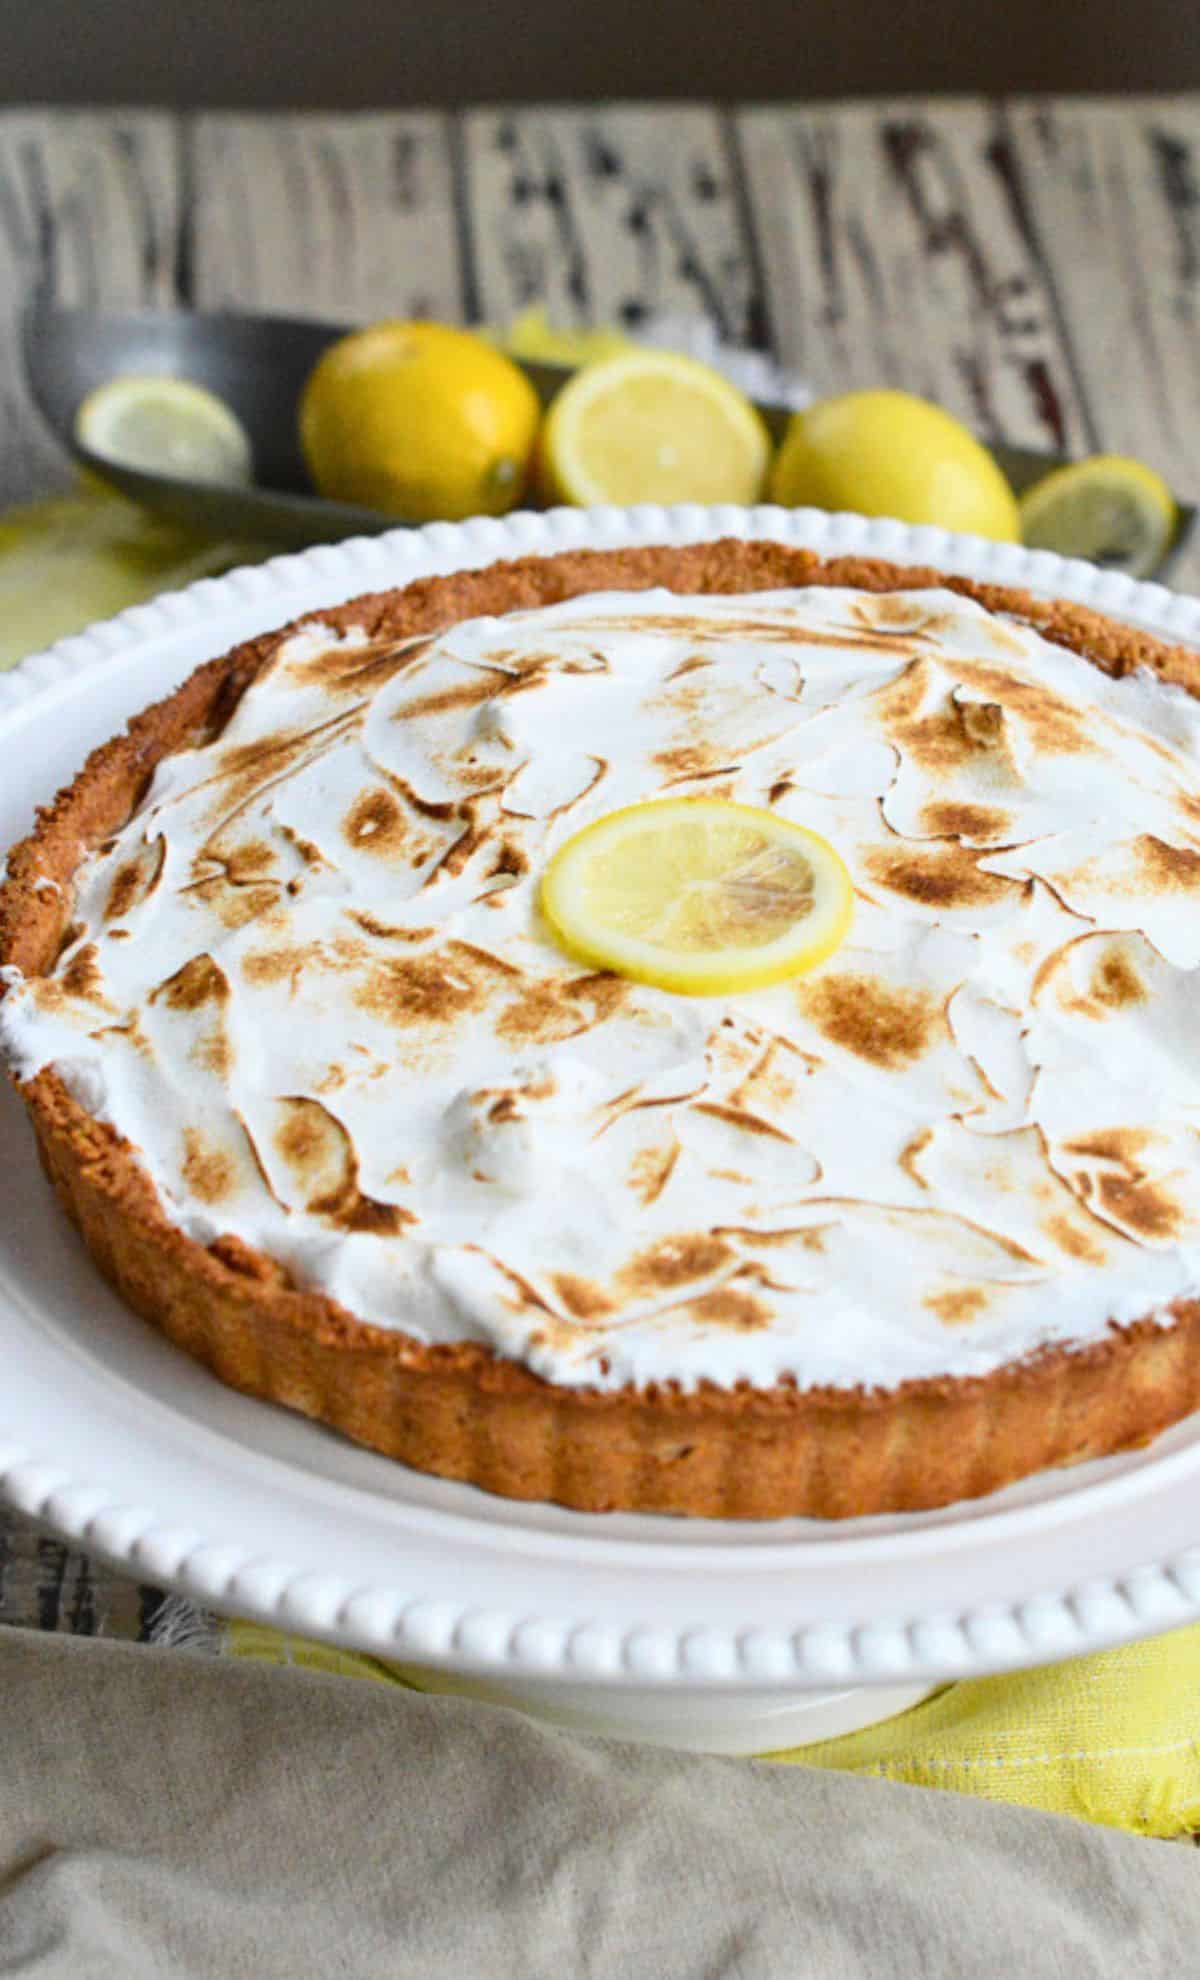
[{"x": 732, "y": 1721}]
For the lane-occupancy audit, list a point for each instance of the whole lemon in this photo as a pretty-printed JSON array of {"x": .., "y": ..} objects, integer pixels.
[
  {"x": 419, "y": 420},
  {"x": 885, "y": 453}
]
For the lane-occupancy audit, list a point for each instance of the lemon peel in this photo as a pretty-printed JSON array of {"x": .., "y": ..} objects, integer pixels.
[
  {"x": 887, "y": 453},
  {"x": 422, "y": 421}
]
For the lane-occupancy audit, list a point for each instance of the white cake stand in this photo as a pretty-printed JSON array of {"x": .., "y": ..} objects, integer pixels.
[{"x": 729, "y": 1637}]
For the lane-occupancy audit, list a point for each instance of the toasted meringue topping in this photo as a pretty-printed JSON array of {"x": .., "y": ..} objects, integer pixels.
[{"x": 309, "y": 984}]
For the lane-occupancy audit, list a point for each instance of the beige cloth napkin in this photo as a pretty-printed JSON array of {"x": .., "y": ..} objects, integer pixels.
[{"x": 163, "y": 1816}]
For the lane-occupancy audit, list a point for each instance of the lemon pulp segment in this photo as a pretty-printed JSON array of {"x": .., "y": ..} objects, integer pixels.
[
  {"x": 165, "y": 426},
  {"x": 1114, "y": 511},
  {"x": 698, "y": 895},
  {"x": 651, "y": 426}
]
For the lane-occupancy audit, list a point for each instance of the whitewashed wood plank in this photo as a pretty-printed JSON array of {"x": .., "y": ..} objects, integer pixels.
[
  {"x": 94, "y": 193},
  {"x": 91, "y": 197},
  {"x": 46, "y": 1585},
  {"x": 609, "y": 214},
  {"x": 897, "y": 252},
  {"x": 349, "y": 217},
  {"x": 1115, "y": 191}
]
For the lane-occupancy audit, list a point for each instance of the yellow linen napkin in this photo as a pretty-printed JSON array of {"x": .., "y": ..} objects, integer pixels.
[
  {"x": 82, "y": 556},
  {"x": 1112, "y": 1738}
]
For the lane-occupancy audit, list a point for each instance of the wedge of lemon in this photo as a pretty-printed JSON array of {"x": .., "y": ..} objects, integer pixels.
[
  {"x": 165, "y": 426},
  {"x": 698, "y": 895},
  {"x": 651, "y": 426},
  {"x": 1111, "y": 510}
]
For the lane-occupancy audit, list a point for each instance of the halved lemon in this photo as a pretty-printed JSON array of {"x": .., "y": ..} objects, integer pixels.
[
  {"x": 165, "y": 426},
  {"x": 1114, "y": 511},
  {"x": 651, "y": 426},
  {"x": 698, "y": 895}
]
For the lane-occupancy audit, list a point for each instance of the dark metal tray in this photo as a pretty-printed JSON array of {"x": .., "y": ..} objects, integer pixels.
[{"x": 258, "y": 365}]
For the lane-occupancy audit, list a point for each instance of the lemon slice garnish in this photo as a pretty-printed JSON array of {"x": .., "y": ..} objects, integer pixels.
[
  {"x": 165, "y": 426},
  {"x": 698, "y": 895},
  {"x": 650, "y": 426},
  {"x": 1111, "y": 510}
]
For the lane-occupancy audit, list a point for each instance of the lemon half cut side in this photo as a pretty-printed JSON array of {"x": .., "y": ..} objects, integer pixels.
[
  {"x": 166, "y": 425},
  {"x": 1116, "y": 512},
  {"x": 652, "y": 426},
  {"x": 698, "y": 895}
]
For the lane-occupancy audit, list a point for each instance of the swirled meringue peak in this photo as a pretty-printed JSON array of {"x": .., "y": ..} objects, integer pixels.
[{"x": 308, "y": 982}]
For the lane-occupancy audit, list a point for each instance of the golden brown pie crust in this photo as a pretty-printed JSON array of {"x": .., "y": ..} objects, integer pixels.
[{"x": 460, "y": 1410}]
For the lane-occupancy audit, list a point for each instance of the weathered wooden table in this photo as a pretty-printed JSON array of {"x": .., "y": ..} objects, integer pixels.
[{"x": 1033, "y": 265}]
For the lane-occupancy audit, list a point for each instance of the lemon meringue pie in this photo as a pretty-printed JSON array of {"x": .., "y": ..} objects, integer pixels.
[{"x": 334, "y": 1109}]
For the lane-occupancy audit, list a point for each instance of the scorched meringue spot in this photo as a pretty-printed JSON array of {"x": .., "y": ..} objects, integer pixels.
[{"x": 307, "y": 982}]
